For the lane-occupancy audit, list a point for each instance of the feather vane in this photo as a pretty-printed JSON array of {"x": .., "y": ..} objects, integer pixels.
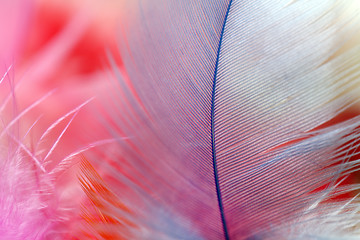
[{"x": 231, "y": 97}]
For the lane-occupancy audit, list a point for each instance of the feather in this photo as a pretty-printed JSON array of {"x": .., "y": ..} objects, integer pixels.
[
  {"x": 36, "y": 200},
  {"x": 24, "y": 204},
  {"x": 39, "y": 194},
  {"x": 226, "y": 107},
  {"x": 224, "y": 117}
]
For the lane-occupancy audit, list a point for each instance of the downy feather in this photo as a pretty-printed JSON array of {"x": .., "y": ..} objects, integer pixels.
[{"x": 36, "y": 199}]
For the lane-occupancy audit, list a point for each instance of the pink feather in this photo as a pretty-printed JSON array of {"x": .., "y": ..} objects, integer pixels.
[{"x": 223, "y": 119}]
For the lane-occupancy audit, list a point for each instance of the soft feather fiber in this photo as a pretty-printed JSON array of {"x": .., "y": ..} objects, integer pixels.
[
  {"x": 228, "y": 120},
  {"x": 29, "y": 202}
]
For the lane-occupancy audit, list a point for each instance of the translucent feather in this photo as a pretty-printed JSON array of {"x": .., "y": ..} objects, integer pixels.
[{"x": 226, "y": 113}]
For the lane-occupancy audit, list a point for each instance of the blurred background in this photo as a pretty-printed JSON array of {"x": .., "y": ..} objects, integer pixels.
[{"x": 62, "y": 48}]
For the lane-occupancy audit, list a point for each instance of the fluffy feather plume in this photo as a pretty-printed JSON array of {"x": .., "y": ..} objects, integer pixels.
[
  {"x": 31, "y": 207},
  {"x": 40, "y": 195}
]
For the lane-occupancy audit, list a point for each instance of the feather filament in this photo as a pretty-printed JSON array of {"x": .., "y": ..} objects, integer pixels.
[
  {"x": 33, "y": 201},
  {"x": 98, "y": 193}
]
